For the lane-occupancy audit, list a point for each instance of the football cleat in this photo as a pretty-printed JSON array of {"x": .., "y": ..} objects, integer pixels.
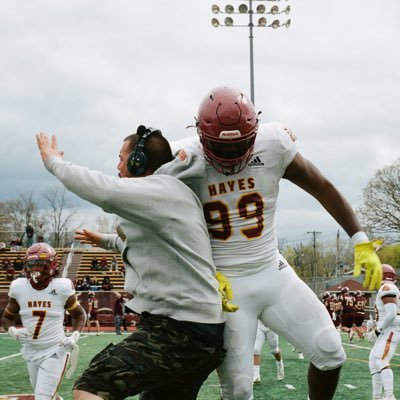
[
  {"x": 301, "y": 356},
  {"x": 256, "y": 380}
]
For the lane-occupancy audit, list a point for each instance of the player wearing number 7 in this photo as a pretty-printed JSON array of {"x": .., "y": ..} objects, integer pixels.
[
  {"x": 40, "y": 300},
  {"x": 236, "y": 176}
]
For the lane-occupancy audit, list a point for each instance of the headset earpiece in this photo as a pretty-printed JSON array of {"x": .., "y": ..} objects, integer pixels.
[{"x": 137, "y": 160}]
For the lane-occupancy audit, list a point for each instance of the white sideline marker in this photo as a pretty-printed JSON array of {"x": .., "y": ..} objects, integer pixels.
[
  {"x": 350, "y": 386},
  {"x": 290, "y": 387}
]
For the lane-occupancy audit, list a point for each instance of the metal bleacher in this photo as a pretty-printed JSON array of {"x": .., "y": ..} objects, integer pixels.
[{"x": 78, "y": 268}]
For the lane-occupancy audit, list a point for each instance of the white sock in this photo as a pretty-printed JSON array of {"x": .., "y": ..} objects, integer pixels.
[
  {"x": 256, "y": 370},
  {"x": 377, "y": 385},
  {"x": 387, "y": 379}
]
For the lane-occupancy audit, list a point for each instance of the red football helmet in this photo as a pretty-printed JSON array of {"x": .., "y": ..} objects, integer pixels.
[
  {"x": 41, "y": 265},
  {"x": 389, "y": 273},
  {"x": 344, "y": 290},
  {"x": 326, "y": 295},
  {"x": 227, "y": 125}
]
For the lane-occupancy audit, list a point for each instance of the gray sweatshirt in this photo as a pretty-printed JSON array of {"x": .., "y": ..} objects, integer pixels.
[{"x": 167, "y": 252}]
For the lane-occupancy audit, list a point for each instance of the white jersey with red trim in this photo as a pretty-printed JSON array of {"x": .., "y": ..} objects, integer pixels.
[
  {"x": 240, "y": 209},
  {"x": 388, "y": 289},
  {"x": 42, "y": 313}
]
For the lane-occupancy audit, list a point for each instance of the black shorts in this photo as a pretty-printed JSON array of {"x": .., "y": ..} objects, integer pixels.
[{"x": 158, "y": 360}]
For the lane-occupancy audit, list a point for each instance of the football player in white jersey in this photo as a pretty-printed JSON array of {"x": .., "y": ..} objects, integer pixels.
[
  {"x": 385, "y": 335},
  {"x": 273, "y": 342},
  {"x": 236, "y": 175},
  {"x": 40, "y": 300}
]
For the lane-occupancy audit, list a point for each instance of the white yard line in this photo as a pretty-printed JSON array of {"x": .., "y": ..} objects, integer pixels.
[
  {"x": 11, "y": 356},
  {"x": 84, "y": 336}
]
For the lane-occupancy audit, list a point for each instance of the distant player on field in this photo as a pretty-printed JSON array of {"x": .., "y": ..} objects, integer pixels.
[
  {"x": 264, "y": 333},
  {"x": 92, "y": 317},
  {"x": 347, "y": 301},
  {"x": 359, "y": 316}
]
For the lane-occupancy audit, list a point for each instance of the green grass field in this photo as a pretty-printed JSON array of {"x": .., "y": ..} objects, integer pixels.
[{"x": 355, "y": 382}]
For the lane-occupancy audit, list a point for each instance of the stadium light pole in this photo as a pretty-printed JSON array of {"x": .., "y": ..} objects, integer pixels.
[{"x": 246, "y": 8}]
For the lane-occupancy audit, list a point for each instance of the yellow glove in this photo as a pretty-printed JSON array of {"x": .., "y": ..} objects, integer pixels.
[
  {"x": 365, "y": 256},
  {"x": 225, "y": 289}
]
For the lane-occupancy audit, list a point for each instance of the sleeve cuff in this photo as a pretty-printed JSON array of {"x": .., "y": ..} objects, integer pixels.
[{"x": 359, "y": 237}]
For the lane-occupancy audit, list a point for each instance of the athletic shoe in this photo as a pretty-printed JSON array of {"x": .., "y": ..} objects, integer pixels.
[
  {"x": 280, "y": 371},
  {"x": 301, "y": 356},
  {"x": 256, "y": 380},
  {"x": 389, "y": 397}
]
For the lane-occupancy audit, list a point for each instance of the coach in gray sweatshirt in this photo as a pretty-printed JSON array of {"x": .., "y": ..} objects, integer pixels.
[{"x": 169, "y": 269}]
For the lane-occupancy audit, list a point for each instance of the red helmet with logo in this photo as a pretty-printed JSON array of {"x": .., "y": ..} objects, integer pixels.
[
  {"x": 389, "y": 273},
  {"x": 41, "y": 265},
  {"x": 227, "y": 125}
]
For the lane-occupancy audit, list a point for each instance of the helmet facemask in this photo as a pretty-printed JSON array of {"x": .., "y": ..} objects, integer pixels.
[
  {"x": 41, "y": 265},
  {"x": 228, "y": 156}
]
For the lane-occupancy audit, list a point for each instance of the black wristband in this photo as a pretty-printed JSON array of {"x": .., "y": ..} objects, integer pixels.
[{"x": 377, "y": 332}]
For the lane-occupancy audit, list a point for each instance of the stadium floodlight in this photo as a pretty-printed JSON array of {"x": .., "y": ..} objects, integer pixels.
[
  {"x": 215, "y": 9},
  {"x": 260, "y": 9},
  {"x": 229, "y": 9},
  {"x": 275, "y": 24},
  {"x": 246, "y": 8},
  {"x": 243, "y": 9},
  {"x": 262, "y": 21},
  {"x": 215, "y": 23},
  {"x": 228, "y": 21},
  {"x": 274, "y": 10}
]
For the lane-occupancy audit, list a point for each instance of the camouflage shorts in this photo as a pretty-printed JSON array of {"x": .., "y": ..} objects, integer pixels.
[{"x": 158, "y": 360}]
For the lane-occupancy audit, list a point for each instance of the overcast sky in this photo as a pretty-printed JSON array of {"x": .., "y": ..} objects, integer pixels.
[{"x": 91, "y": 71}]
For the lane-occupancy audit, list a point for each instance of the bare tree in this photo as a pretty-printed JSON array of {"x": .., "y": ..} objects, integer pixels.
[
  {"x": 16, "y": 214},
  {"x": 380, "y": 210},
  {"x": 106, "y": 223},
  {"x": 59, "y": 215}
]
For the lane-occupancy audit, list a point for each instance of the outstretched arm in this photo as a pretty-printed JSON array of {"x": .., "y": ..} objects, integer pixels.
[
  {"x": 308, "y": 177},
  {"x": 88, "y": 237},
  {"x": 46, "y": 147}
]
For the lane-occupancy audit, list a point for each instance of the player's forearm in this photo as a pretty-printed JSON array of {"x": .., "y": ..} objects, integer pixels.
[
  {"x": 7, "y": 321},
  {"x": 339, "y": 208},
  {"x": 78, "y": 322},
  {"x": 390, "y": 315}
]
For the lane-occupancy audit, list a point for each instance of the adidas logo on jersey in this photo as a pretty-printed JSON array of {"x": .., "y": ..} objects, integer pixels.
[
  {"x": 53, "y": 292},
  {"x": 256, "y": 162},
  {"x": 55, "y": 355},
  {"x": 281, "y": 265}
]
